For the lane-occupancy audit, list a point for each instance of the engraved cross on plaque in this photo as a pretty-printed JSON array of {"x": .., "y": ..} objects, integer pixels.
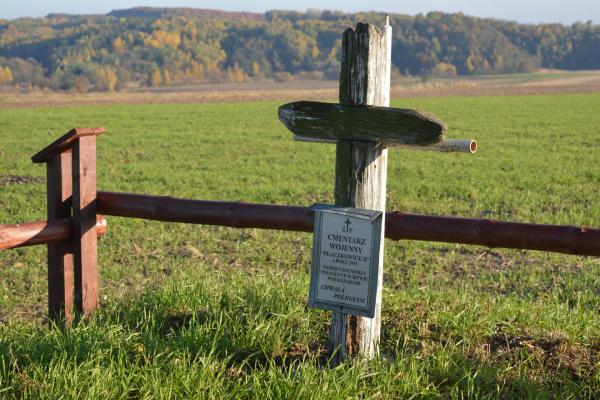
[{"x": 347, "y": 222}]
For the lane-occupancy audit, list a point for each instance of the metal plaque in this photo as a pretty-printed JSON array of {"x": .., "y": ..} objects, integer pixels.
[{"x": 345, "y": 260}]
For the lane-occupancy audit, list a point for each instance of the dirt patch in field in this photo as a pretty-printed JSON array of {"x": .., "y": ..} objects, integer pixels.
[
  {"x": 575, "y": 82},
  {"x": 19, "y": 180},
  {"x": 568, "y": 81},
  {"x": 299, "y": 352},
  {"x": 554, "y": 351},
  {"x": 36, "y": 100},
  {"x": 174, "y": 323},
  {"x": 496, "y": 90}
]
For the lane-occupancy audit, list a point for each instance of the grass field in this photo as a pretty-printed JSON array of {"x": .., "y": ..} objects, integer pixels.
[{"x": 209, "y": 312}]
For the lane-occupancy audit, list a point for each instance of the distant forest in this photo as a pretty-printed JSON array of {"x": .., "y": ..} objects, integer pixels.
[{"x": 157, "y": 47}]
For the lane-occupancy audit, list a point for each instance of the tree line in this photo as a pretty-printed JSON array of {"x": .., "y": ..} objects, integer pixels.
[{"x": 156, "y": 47}]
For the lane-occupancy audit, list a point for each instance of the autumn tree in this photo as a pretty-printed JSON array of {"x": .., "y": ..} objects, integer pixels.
[
  {"x": 6, "y": 75},
  {"x": 106, "y": 80},
  {"x": 236, "y": 74},
  {"x": 166, "y": 77},
  {"x": 155, "y": 77}
]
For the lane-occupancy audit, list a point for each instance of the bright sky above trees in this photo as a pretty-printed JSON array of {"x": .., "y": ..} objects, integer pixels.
[{"x": 527, "y": 11}]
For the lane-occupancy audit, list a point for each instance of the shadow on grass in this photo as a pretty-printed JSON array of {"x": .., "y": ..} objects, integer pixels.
[
  {"x": 178, "y": 323},
  {"x": 244, "y": 338},
  {"x": 510, "y": 365}
]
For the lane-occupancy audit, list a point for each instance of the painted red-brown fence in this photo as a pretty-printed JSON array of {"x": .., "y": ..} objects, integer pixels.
[
  {"x": 42, "y": 232},
  {"x": 74, "y": 223},
  {"x": 398, "y": 225}
]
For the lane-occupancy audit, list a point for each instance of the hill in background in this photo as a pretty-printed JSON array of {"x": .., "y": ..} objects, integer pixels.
[
  {"x": 169, "y": 46},
  {"x": 199, "y": 13}
]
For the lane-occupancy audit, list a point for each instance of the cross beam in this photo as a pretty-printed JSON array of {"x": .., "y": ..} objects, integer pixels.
[{"x": 315, "y": 120}]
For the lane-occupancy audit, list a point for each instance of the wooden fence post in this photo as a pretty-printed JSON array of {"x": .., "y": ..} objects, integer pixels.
[
  {"x": 361, "y": 168},
  {"x": 60, "y": 256},
  {"x": 72, "y": 267},
  {"x": 85, "y": 239}
]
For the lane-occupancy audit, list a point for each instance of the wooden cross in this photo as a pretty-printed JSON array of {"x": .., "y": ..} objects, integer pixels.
[{"x": 363, "y": 126}]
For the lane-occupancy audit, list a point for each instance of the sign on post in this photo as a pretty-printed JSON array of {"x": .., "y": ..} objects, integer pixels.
[{"x": 345, "y": 260}]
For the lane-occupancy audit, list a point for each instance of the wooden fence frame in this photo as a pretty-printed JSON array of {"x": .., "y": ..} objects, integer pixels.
[{"x": 74, "y": 224}]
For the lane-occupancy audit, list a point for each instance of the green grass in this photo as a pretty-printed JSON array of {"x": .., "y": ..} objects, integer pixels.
[{"x": 200, "y": 311}]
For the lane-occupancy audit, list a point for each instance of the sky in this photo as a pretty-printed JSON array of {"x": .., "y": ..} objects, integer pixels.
[{"x": 525, "y": 11}]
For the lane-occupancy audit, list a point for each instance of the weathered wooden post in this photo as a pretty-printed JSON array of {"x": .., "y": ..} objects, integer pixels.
[
  {"x": 72, "y": 267},
  {"x": 361, "y": 168},
  {"x": 60, "y": 257}
]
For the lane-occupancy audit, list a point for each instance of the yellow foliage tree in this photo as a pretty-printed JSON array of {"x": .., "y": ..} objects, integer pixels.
[
  {"x": 255, "y": 69},
  {"x": 236, "y": 75},
  {"x": 195, "y": 71},
  {"x": 443, "y": 70},
  {"x": 160, "y": 39},
  {"x": 118, "y": 45},
  {"x": 106, "y": 79},
  {"x": 155, "y": 78},
  {"x": 315, "y": 53},
  {"x": 6, "y": 75},
  {"x": 166, "y": 78},
  {"x": 332, "y": 56}
]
